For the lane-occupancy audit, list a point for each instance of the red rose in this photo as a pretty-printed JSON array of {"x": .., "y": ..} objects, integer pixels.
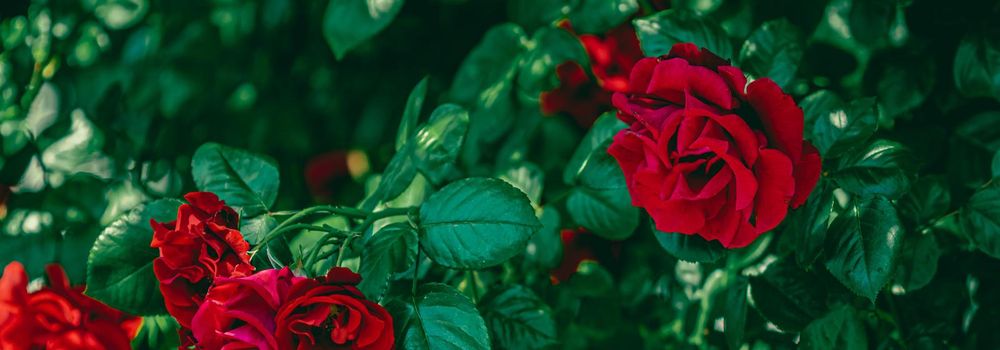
[
  {"x": 577, "y": 95},
  {"x": 612, "y": 57},
  {"x": 705, "y": 156},
  {"x": 331, "y": 313},
  {"x": 203, "y": 244},
  {"x": 58, "y": 316},
  {"x": 238, "y": 313},
  {"x": 323, "y": 170}
]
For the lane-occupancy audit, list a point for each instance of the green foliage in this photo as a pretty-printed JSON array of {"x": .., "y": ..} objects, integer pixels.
[
  {"x": 864, "y": 243},
  {"x": 659, "y": 32},
  {"x": 245, "y": 181},
  {"x": 439, "y": 318},
  {"x": 346, "y": 24}
]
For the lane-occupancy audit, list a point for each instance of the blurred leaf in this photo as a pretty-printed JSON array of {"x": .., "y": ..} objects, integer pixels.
[
  {"x": 981, "y": 218},
  {"x": 977, "y": 65},
  {"x": 484, "y": 82},
  {"x": 117, "y": 14},
  {"x": 591, "y": 280},
  {"x": 864, "y": 243},
  {"x": 348, "y": 23},
  {"x": 441, "y": 318},
  {"x": 659, "y": 32},
  {"x": 549, "y": 47},
  {"x": 878, "y": 22},
  {"x": 437, "y": 143},
  {"x": 79, "y": 151},
  {"x": 411, "y": 115},
  {"x": 545, "y": 249},
  {"x": 905, "y": 83},
  {"x": 840, "y": 130},
  {"x": 774, "y": 50},
  {"x": 736, "y": 310},
  {"x": 120, "y": 267},
  {"x": 599, "y": 16},
  {"x": 157, "y": 333},
  {"x": 996, "y": 164},
  {"x": 476, "y": 223},
  {"x": 841, "y": 328},
  {"x": 691, "y": 248},
  {"x": 528, "y": 178},
  {"x": 518, "y": 319},
  {"x": 917, "y": 262},
  {"x": 973, "y": 146},
  {"x": 928, "y": 199},
  {"x": 537, "y": 13},
  {"x": 787, "y": 296},
  {"x": 391, "y": 250},
  {"x": 246, "y": 181},
  {"x": 880, "y": 168}
]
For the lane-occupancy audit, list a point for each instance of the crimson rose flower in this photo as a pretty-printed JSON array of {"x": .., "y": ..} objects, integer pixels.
[
  {"x": 611, "y": 58},
  {"x": 707, "y": 154},
  {"x": 323, "y": 170},
  {"x": 58, "y": 316},
  {"x": 331, "y": 313},
  {"x": 238, "y": 313},
  {"x": 203, "y": 244}
]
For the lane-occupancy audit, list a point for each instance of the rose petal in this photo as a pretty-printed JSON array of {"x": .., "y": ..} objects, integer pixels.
[
  {"x": 774, "y": 172},
  {"x": 806, "y": 173},
  {"x": 781, "y": 117}
]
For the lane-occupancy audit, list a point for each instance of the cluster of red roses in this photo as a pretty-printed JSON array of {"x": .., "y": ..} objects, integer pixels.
[
  {"x": 58, "y": 316},
  {"x": 210, "y": 287}
]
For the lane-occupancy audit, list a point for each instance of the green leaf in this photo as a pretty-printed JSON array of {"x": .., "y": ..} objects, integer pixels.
[
  {"x": 841, "y": 328},
  {"x": 736, "y": 310},
  {"x": 977, "y": 67},
  {"x": 881, "y": 168},
  {"x": 600, "y": 201},
  {"x": 476, "y": 223},
  {"x": 437, "y": 143},
  {"x": 806, "y": 227},
  {"x": 518, "y": 319},
  {"x": 484, "y": 82},
  {"x": 599, "y": 16},
  {"x": 596, "y": 140},
  {"x": 864, "y": 243},
  {"x": 774, "y": 50},
  {"x": 981, "y": 218},
  {"x": 537, "y": 13},
  {"x": 440, "y": 318},
  {"x": 392, "y": 249},
  {"x": 787, "y": 296},
  {"x": 840, "y": 130},
  {"x": 691, "y": 248},
  {"x": 157, "y": 333},
  {"x": 659, "y": 32},
  {"x": 396, "y": 179},
  {"x": 927, "y": 200},
  {"x": 918, "y": 260},
  {"x": 973, "y": 147},
  {"x": 347, "y": 23},
  {"x": 120, "y": 267},
  {"x": 819, "y": 104},
  {"x": 411, "y": 115},
  {"x": 246, "y": 181}
]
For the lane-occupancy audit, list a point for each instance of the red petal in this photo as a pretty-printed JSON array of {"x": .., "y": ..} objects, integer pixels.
[
  {"x": 774, "y": 173},
  {"x": 781, "y": 117}
]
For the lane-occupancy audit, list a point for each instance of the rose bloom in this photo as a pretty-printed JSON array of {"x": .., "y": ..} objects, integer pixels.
[
  {"x": 273, "y": 309},
  {"x": 707, "y": 154},
  {"x": 238, "y": 313},
  {"x": 58, "y": 316},
  {"x": 611, "y": 58},
  {"x": 203, "y": 244},
  {"x": 331, "y": 313}
]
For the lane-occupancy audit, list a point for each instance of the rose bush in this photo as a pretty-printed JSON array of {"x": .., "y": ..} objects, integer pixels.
[
  {"x": 691, "y": 157},
  {"x": 509, "y": 174}
]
